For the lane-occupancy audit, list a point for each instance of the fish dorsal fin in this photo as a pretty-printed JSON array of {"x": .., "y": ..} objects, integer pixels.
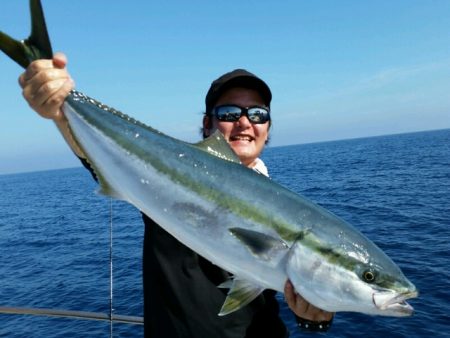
[
  {"x": 241, "y": 293},
  {"x": 261, "y": 245},
  {"x": 217, "y": 145}
]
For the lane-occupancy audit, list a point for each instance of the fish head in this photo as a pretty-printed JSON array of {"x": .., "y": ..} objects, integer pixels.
[{"x": 349, "y": 275}]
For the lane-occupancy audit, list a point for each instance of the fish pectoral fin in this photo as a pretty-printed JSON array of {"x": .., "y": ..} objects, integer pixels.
[
  {"x": 261, "y": 245},
  {"x": 241, "y": 293},
  {"x": 217, "y": 145}
]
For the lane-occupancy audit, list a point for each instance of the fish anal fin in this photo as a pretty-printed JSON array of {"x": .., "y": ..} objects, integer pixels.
[
  {"x": 107, "y": 190},
  {"x": 217, "y": 145},
  {"x": 104, "y": 187},
  {"x": 241, "y": 293},
  {"x": 261, "y": 245}
]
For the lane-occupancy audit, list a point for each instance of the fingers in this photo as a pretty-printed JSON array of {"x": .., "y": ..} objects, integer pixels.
[
  {"x": 45, "y": 84},
  {"x": 34, "y": 68},
  {"x": 303, "y": 308},
  {"x": 48, "y": 99},
  {"x": 59, "y": 60},
  {"x": 289, "y": 293}
]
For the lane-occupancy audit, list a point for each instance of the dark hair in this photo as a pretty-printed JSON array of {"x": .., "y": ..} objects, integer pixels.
[{"x": 236, "y": 78}]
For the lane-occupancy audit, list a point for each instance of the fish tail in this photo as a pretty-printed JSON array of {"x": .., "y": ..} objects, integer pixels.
[{"x": 37, "y": 46}]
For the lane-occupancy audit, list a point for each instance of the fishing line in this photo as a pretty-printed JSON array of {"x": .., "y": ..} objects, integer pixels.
[
  {"x": 110, "y": 268},
  {"x": 84, "y": 315}
]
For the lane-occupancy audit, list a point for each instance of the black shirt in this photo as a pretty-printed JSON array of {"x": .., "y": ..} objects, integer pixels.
[{"x": 181, "y": 297}]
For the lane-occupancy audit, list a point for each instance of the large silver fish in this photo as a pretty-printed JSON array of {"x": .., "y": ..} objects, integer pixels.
[{"x": 238, "y": 219}]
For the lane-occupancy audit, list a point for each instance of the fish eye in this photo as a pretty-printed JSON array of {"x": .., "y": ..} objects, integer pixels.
[{"x": 369, "y": 276}]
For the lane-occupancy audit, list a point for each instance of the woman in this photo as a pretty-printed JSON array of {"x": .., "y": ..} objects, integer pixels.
[{"x": 181, "y": 297}]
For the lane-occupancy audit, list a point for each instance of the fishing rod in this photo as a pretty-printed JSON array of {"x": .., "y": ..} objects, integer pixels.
[{"x": 85, "y": 315}]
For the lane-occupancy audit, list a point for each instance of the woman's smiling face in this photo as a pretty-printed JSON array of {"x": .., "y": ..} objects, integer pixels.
[{"x": 245, "y": 138}]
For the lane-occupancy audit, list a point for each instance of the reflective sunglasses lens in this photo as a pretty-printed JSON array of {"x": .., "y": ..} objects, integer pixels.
[
  {"x": 258, "y": 115},
  {"x": 228, "y": 113}
]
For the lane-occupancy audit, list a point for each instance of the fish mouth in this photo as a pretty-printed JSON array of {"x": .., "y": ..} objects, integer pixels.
[{"x": 393, "y": 303}]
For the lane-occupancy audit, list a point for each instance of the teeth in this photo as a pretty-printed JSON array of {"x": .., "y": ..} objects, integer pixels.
[{"x": 241, "y": 138}]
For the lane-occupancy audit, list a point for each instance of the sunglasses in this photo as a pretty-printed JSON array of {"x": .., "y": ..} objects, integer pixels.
[{"x": 231, "y": 113}]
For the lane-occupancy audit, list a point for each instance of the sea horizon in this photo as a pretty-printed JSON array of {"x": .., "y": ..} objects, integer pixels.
[{"x": 268, "y": 147}]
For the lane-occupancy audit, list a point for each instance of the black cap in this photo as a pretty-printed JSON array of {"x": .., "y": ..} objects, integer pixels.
[{"x": 236, "y": 78}]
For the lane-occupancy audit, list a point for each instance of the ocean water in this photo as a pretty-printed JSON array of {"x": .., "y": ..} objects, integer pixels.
[{"x": 54, "y": 235}]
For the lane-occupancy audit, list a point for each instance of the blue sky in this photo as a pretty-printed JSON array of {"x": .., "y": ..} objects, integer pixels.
[{"x": 337, "y": 69}]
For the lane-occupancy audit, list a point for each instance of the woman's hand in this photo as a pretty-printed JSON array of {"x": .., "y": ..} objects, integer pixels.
[
  {"x": 45, "y": 84},
  {"x": 316, "y": 318}
]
